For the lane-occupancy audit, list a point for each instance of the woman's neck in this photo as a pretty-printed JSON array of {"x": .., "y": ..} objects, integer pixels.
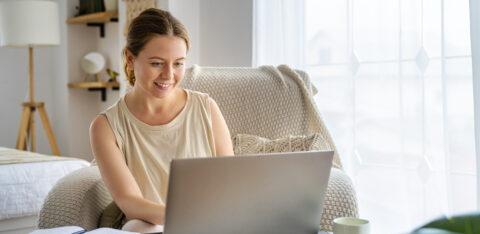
[{"x": 143, "y": 104}]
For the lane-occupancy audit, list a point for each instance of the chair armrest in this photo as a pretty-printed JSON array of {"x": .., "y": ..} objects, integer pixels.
[
  {"x": 77, "y": 199},
  {"x": 340, "y": 200}
]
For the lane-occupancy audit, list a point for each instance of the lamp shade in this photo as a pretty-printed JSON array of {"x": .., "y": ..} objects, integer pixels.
[{"x": 29, "y": 23}]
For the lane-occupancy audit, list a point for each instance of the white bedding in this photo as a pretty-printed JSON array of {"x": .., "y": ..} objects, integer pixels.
[
  {"x": 24, "y": 186},
  {"x": 20, "y": 225}
]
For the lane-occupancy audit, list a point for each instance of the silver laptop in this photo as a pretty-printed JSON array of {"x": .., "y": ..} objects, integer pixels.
[{"x": 274, "y": 193}]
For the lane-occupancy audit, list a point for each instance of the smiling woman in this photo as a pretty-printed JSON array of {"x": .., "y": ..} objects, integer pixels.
[{"x": 135, "y": 139}]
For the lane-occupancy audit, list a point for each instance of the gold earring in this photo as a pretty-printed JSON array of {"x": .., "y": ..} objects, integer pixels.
[{"x": 131, "y": 76}]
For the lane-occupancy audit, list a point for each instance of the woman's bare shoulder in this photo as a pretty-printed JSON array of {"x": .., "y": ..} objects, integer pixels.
[
  {"x": 99, "y": 122},
  {"x": 101, "y": 127}
]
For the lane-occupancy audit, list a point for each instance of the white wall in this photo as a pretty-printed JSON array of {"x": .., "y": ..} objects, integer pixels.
[
  {"x": 220, "y": 30},
  {"x": 187, "y": 11},
  {"x": 60, "y": 117},
  {"x": 220, "y": 33},
  {"x": 226, "y": 32}
]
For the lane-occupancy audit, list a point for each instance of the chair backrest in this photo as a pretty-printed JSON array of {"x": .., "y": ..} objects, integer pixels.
[{"x": 271, "y": 102}]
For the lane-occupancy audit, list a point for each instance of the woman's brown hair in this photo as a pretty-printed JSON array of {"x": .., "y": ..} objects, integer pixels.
[{"x": 150, "y": 23}]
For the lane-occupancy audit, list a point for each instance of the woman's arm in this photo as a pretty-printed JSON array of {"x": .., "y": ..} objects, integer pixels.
[
  {"x": 221, "y": 134},
  {"x": 117, "y": 177}
]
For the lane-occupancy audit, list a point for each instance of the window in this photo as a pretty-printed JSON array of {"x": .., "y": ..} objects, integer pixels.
[{"x": 395, "y": 90}]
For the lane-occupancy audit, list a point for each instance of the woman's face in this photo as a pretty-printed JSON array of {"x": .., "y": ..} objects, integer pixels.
[{"x": 159, "y": 67}]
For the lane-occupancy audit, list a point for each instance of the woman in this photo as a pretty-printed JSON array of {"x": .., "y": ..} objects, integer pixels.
[{"x": 135, "y": 139}]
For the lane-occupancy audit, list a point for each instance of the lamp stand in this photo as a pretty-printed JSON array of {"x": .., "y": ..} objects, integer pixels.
[{"x": 27, "y": 122}]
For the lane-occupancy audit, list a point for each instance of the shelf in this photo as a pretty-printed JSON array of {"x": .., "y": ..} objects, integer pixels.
[
  {"x": 95, "y": 20},
  {"x": 96, "y": 86},
  {"x": 98, "y": 18}
]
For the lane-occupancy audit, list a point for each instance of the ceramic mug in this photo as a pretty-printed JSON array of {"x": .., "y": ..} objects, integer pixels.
[{"x": 351, "y": 225}]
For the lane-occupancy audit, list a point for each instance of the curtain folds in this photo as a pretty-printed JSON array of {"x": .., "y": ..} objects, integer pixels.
[{"x": 395, "y": 89}]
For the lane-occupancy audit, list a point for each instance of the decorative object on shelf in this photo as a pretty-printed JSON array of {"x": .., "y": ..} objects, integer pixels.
[
  {"x": 92, "y": 63},
  {"x": 111, "y": 5},
  {"x": 113, "y": 75},
  {"x": 134, "y": 8},
  {"x": 90, "y": 6},
  {"x": 30, "y": 24}
]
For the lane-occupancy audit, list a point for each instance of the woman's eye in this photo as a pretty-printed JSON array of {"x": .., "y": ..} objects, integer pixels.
[
  {"x": 155, "y": 64},
  {"x": 178, "y": 64}
]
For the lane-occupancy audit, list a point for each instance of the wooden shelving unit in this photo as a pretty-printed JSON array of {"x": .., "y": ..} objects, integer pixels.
[
  {"x": 100, "y": 17},
  {"x": 96, "y": 86},
  {"x": 95, "y": 20}
]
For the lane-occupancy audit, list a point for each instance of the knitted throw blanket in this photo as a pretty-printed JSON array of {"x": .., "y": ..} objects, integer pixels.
[{"x": 270, "y": 102}]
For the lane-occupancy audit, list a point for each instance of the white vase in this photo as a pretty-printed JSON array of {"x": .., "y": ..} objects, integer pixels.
[
  {"x": 92, "y": 63},
  {"x": 111, "y": 5}
]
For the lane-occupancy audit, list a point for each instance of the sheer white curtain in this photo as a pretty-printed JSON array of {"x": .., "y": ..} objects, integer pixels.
[
  {"x": 475, "y": 37},
  {"x": 395, "y": 89}
]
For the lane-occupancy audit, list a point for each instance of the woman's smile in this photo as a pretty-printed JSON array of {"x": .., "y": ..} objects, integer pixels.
[{"x": 162, "y": 86}]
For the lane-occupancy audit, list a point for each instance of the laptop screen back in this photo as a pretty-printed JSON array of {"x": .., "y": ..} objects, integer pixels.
[{"x": 275, "y": 193}]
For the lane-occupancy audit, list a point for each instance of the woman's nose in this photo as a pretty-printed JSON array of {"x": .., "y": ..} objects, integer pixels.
[{"x": 168, "y": 72}]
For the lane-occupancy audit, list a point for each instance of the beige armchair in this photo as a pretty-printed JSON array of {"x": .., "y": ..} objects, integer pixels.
[{"x": 271, "y": 102}]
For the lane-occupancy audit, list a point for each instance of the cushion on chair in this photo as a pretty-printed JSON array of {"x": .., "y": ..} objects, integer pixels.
[{"x": 249, "y": 144}]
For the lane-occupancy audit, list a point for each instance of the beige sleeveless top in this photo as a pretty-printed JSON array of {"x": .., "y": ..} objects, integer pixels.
[{"x": 148, "y": 150}]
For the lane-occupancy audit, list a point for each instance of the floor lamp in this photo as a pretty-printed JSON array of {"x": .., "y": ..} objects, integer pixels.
[{"x": 30, "y": 24}]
